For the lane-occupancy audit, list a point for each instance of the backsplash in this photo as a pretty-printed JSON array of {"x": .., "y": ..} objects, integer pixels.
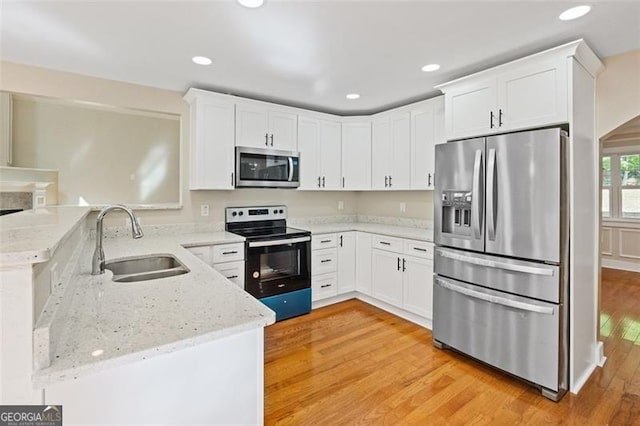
[{"x": 16, "y": 200}]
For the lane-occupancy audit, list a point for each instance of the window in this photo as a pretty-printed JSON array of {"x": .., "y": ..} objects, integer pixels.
[{"x": 620, "y": 184}]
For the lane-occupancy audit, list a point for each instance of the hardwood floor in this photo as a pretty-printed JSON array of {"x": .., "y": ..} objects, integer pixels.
[{"x": 352, "y": 363}]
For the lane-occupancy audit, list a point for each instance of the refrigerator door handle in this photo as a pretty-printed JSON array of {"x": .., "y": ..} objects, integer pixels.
[
  {"x": 496, "y": 264},
  {"x": 491, "y": 195},
  {"x": 523, "y": 306},
  {"x": 475, "y": 206}
]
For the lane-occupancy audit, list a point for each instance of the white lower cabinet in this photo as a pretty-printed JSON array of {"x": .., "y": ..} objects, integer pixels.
[
  {"x": 363, "y": 263},
  {"x": 233, "y": 271},
  {"x": 333, "y": 264},
  {"x": 323, "y": 286},
  {"x": 387, "y": 277},
  {"x": 228, "y": 259},
  {"x": 346, "y": 262},
  {"x": 417, "y": 294}
]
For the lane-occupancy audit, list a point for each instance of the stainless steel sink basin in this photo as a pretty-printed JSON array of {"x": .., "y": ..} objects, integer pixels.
[{"x": 143, "y": 268}]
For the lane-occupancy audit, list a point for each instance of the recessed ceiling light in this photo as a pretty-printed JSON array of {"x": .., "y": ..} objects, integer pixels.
[
  {"x": 574, "y": 13},
  {"x": 431, "y": 67},
  {"x": 201, "y": 60},
  {"x": 251, "y": 4},
  {"x": 353, "y": 96}
]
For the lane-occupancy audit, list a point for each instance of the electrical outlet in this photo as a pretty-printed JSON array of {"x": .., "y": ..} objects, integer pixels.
[
  {"x": 204, "y": 209},
  {"x": 340, "y": 205},
  {"x": 403, "y": 207},
  {"x": 53, "y": 277}
]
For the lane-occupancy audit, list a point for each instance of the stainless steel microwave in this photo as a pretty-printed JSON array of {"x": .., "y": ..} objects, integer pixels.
[{"x": 266, "y": 168}]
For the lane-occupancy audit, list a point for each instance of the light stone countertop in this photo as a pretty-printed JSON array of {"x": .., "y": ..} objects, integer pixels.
[
  {"x": 422, "y": 234},
  {"x": 110, "y": 324},
  {"x": 32, "y": 236}
]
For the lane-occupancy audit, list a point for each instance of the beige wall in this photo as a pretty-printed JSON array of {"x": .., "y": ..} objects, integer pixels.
[
  {"x": 618, "y": 91},
  {"x": 419, "y": 204}
]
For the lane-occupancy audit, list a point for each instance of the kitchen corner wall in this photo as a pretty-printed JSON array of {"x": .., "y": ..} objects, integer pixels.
[{"x": 418, "y": 204}]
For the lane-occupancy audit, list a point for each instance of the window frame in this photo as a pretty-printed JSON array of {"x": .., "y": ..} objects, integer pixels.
[{"x": 615, "y": 187}]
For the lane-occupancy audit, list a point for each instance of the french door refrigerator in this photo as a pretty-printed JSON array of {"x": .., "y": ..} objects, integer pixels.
[{"x": 501, "y": 257}]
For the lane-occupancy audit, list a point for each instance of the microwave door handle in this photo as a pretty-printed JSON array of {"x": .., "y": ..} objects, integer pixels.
[
  {"x": 475, "y": 200},
  {"x": 496, "y": 300},
  {"x": 491, "y": 195},
  {"x": 290, "y": 169}
]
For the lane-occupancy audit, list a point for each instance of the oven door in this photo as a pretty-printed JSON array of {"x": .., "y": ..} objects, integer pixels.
[
  {"x": 278, "y": 266},
  {"x": 266, "y": 168}
]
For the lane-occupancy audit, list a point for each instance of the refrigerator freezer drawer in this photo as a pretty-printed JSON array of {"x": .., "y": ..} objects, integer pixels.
[
  {"x": 515, "y": 334},
  {"x": 529, "y": 279}
]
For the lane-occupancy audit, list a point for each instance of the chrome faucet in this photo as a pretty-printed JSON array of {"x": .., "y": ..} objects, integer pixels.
[{"x": 97, "y": 264}]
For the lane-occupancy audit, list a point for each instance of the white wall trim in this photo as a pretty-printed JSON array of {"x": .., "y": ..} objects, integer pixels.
[
  {"x": 620, "y": 264},
  {"x": 601, "y": 359},
  {"x": 609, "y": 231},
  {"x": 620, "y": 237},
  {"x": 579, "y": 382}
]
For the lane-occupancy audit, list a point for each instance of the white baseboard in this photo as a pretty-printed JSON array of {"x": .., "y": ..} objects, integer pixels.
[
  {"x": 620, "y": 264},
  {"x": 600, "y": 358},
  {"x": 335, "y": 299},
  {"x": 579, "y": 382}
]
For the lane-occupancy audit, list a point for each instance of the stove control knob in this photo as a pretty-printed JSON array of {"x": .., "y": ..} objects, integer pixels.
[
  {"x": 234, "y": 214},
  {"x": 275, "y": 212},
  {"x": 281, "y": 211},
  {"x": 240, "y": 213}
]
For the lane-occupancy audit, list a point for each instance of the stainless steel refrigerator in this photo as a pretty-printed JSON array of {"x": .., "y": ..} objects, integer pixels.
[{"x": 501, "y": 257}]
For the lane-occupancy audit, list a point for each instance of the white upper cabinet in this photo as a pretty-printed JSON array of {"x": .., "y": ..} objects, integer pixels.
[
  {"x": 391, "y": 151},
  {"x": 319, "y": 143},
  {"x": 527, "y": 93},
  {"x": 427, "y": 130},
  {"x": 356, "y": 155},
  {"x": 262, "y": 127},
  {"x": 212, "y": 141}
]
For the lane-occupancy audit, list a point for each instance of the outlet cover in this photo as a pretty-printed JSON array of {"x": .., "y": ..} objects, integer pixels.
[
  {"x": 204, "y": 210},
  {"x": 340, "y": 205},
  {"x": 403, "y": 207}
]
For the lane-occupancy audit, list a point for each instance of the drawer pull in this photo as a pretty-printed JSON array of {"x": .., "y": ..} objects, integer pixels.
[
  {"x": 324, "y": 241},
  {"x": 420, "y": 249},
  {"x": 325, "y": 261},
  {"x": 280, "y": 285},
  {"x": 385, "y": 243},
  {"x": 230, "y": 252},
  {"x": 325, "y": 285},
  {"x": 232, "y": 277}
]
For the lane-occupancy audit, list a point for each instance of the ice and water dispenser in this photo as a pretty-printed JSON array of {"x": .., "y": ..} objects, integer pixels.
[{"x": 456, "y": 212}]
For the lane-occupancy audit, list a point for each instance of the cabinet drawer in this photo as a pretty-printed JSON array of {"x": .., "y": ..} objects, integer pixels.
[
  {"x": 228, "y": 252},
  {"x": 421, "y": 249},
  {"x": 323, "y": 261},
  {"x": 323, "y": 241},
  {"x": 233, "y": 271},
  {"x": 323, "y": 286},
  {"x": 202, "y": 252},
  {"x": 387, "y": 243}
]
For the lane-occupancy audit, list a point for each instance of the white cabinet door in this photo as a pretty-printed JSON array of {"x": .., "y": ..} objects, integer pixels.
[
  {"x": 418, "y": 286},
  {"x": 233, "y": 271},
  {"x": 346, "y": 262},
  {"x": 400, "y": 159},
  {"x": 252, "y": 125},
  {"x": 324, "y": 261},
  {"x": 363, "y": 263},
  {"x": 427, "y": 130},
  {"x": 212, "y": 142},
  {"x": 470, "y": 109},
  {"x": 323, "y": 286},
  {"x": 387, "y": 277},
  {"x": 310, "y": 157},
  {"x": 283, "y": 133},
  {"x": 356, "y": 155},
  {"x": 330, "y": 154},
  {"x": 380, "y": 153},
  {"x": 532, "y": 96}
]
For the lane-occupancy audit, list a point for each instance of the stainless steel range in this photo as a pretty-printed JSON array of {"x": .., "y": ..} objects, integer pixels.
[{"x": 277, "y": 258}]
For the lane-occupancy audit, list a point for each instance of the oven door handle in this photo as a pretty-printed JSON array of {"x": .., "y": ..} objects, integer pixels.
[
  {"x": 522, "y": 306},
  {"x": 290, "y": 168},
  {"x": 278, "y": 242}
]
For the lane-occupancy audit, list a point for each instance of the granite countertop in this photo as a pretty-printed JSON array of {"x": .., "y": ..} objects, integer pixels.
[
  {"x": 32, "y": 236},
  {"x": 109, "y": 324},
  {"x": 422, "y": 234}
]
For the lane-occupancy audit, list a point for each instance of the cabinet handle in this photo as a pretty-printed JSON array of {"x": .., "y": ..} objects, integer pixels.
[
  {"x": 343, "y": 181},
  {"x": 232, "y": 277},
  {"x": 323, "y": 183},
  {"x": 389, "y": 181},
  {"x": 340, "y": 240},
  {"x": 324, "y": 241},
  {"x": 491, "y": 119},
  {"x": 232, "y": 179},
  {"x": 271, "y": 139},
  {"x": 398, "y": 264},
  {"x": 386, "y": 183},
  {"x": 384, "y": 243},
  {"x": 404, "y": 262},
  {"x": 429, "y": 180},
  {"x": 325, "y": 260},
  {"x": 230, "y": 252},
  {"x": 266, "y": 139},
  {"x": 319, "y": 182},
  {"x": 325, "y": 285},
  {"x": 420, "y": 249},
  {"x": 500, "y": 118}
]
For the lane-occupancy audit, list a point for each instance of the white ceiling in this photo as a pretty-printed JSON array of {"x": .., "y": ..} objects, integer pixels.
[{"x": 303, "y": 53}]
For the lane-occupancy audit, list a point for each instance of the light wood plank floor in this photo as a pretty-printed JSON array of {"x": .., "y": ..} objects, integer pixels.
[{"x": 352, "y": 363}]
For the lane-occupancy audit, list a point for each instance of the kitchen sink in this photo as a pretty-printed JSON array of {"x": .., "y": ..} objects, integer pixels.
[{"x": 144, "y": 268}]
